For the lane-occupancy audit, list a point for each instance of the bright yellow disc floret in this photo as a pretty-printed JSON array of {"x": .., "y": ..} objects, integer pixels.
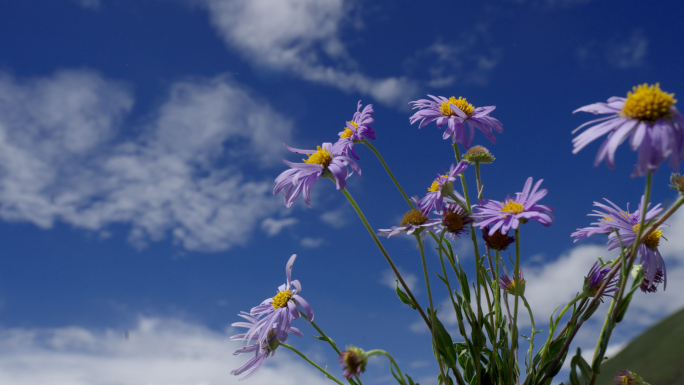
[
  {"x": 461, "y": 103},
  {"x": 347, "y": 132},
  {"x": 647, "y": 103},
  {"x": 281, "y": 299},
  {"x": 321, "y": 156},
  {"x": 513, "y": 207}
]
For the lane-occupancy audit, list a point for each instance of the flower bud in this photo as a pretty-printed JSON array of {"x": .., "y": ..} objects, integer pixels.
[
  {"x": 677, "y": 182},
  {"x": 478, "y": 154}
]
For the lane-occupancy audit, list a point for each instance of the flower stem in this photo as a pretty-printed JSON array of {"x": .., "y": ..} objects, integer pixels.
[
  {"x": 396, "y": 183},
  {"x": 514, "y": 325},
  {"x": 327, "y": 339},
  {"x": 421, "y": 246},
  {"x": 529, "y": 310},
  {"x": 330, "y": 376},
  {"x": 387, "y": 257},
  {"x": 392, "y": 362}
]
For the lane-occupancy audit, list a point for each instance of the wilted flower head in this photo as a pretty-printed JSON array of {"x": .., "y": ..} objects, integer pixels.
[
  {"x": 503, "y": 216},
  {"x": 627, "y": 377},
  {"x": 455, "y": 220},
  {"x": 594, "y": 280},
  {"x": 648, "y": 116},
  {"x": 677, "y": 182},
  {"x": 478, "y": 154},
  {"x": 413, "y": 221},
  {"x": 327, "y": 161},
  {"x": 455, "y": 113},
  {"x": 279, "y": 312},
  {"x": 515, "y": 286},
  {"x": 357, "y": 129},
  {"x": 441, "y": 187},
  {"x": 353, "y": 361},
  {"x": 497, "y": 241}
]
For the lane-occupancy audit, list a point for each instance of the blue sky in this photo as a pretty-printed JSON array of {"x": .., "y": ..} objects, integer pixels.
[{"x": 139, "y": 141}]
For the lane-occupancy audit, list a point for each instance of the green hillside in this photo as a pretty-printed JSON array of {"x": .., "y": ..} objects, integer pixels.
[{"x": 657, "y": 355}]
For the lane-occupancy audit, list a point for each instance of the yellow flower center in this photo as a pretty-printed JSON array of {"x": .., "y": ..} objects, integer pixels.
[
  {"x": 413, "y": 217},
  {"x": 513, "y": 207},
  {"x": 653, "y": 239},
  {"x": 280, "y": 300},
  {"x": 647, "y": 103},
  {"x": 461, "y": 103},
  {"x": 347, "y": 132},
  {"x": 321, "y": 156},
  {"x": 453, "y": 222},
  {"x": 435, "y": 185}
]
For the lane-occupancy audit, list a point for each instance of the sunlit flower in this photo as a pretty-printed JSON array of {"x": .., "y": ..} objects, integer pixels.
[
  {"x": 441, "y": 188},
  {"x": 503, "y": 216},
  {"x": 648, "y": 117},
  {"x": 261, "y": 350},
  {"x": 594, "y": 280},
  {"x": 455, "y": 113},
  {"x": 496, "y": 241},
  {"x": 627, "y": 224},
  {"x": 357, "y": 129},
  {"x": 515, "y": 286},
  {"x": 455, "y": 220},
  {"x": 353, "y": 361},
  {"x": 413, "y": 221},
  {"x": 327, "y": 161},
  {"x": 279, "y": 312}
]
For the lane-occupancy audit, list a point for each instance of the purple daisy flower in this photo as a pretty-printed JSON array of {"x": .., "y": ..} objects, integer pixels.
[
  {"x": 503, "y": 216},
  {"x": 455, "y": 220},
  {"x": 594, "y": 280},
  {"x": 627, "y": 224},
  {"x": 357, "y": 129},
  {"x": 648, "y": 116},
  {"x": 455, "y": 113},
  {"x": 515, "y": 286},
  {"x": 413, "y": 221},
  {"x": 261, "y": 350},
  {"x": 441, "y": 188},
  {"x": 327, "y": 161},
  {"x": 279, "y": 312},
  {"x": 496, "y": 241}
]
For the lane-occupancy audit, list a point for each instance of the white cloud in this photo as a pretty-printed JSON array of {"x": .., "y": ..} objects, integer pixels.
[
  {"x": 275, "y": 226},
  {"x": 312, "y": 243},
  {"x": 155, "y": 352},
  {"x": 388, "y": 279},
  {"x": 92, "y": 4},
  {"x": 469, "y": 59},
  {"x": 301, "y": 37},
  {"x": 622, "y": 53},
  {"x": 63, "y": 156},
  {"x": 336, "y": 218}
]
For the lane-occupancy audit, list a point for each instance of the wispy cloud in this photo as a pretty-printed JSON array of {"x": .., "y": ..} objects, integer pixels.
[
  {"x": 91, "y": 4},
  {"x": 155, "y": 352},
  {"x": 470, "y": 59},
  {"x": 312, "y": 243},
  {"x": 301, "y": 37},
  {"x": 621, "y": 53},
  {"x": 65, "y": 157},
  {"x": 388, "y": 279},
  {"x": 274, "y": 226}
]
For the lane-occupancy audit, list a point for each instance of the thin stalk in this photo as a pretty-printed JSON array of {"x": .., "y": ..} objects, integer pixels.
[
  {"x": 514, "y": 325},
  {"x": 387, "y": 257},
  {"x": 529, "y": 310},
  {"x": 327, "y": 339},
  {"x": 432, "y": 308},
  {"x": 552, "y": 327},
  {"x": 384, "y": 353},
  {"x": 330, "y": 376},
  {"x": 387, "y": 169}
]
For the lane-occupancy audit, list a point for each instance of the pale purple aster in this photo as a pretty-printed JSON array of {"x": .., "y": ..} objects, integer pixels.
[
  {"x": 595, "y": 278},
  {"x": 455, "y": 220},
  {"x": 327, "y": 160},
  {"x": 648, "y": 117},
  {"x": 262, "y": 350},
  {"x": 455, "y": 113},
  {"x": 627, "y": 224},
  {"x": 413, "y": 221},
  {"x": 357, "y": 129},
  {"x": 441, "y": 188},
  {"x": 503, "y": 216},
  {"x": 279, "y": 312}
]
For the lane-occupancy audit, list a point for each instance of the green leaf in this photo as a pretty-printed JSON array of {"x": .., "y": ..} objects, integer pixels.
[
  {"x": 325, "y": 339},
  {"x": 411, "y": 380},
  {"x": 403, "y": 296},
  {"x": 445, "y": 346},
  {"x": 448, "y": 382}
]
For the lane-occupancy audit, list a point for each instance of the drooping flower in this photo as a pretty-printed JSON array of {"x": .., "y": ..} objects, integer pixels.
[
  {"x": 455, "y": 113},
  {"x": 497, "y": 241},
  {"x": 455, "y": 220},
  {"x": 327, "y": 161},
  {"x": 627, "y": 224},
  {"x": 441, "y": 187},
  {"x": 515, "y": 286},
  {"x": 279, "y": 312},
  {"x": 413, "y": 221},
  {"x": 648, "y": 117},
  {"x": 503, "y": 216},
  {"x": 594, "y": 280},
  {"x": 262, "y": 350},
  {"x": 353, "y": 361}
]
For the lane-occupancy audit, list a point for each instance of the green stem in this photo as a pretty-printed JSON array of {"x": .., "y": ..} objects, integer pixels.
[
  {"x": 514, "y": 325},
  {"x": 527, "y": 305},
  {"x": 387, "y": 257},
  {"x": 396, "y": 183},
  {"x": 330, "y": 376},
  {"x": 552, "y": 328},
  {"x": 327, "y": 339},
  {"x": 392, "y": 362}
]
